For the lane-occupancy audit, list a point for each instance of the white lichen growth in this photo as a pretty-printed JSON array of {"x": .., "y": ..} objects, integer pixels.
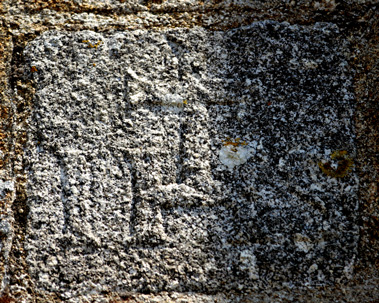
[
  {"x": 172, "y": 100},
  {"x": 234, "y": 152}
]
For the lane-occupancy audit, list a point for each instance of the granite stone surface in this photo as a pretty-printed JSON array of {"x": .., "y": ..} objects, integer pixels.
[{"x": 191, "y": 160}]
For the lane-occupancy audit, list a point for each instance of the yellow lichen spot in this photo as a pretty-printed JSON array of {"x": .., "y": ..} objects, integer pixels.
[
  {"x": 338, "y": 154},
  {"x": 98, "y": 43},
  {"x": 185, "y": 102},
  {"x": 234, "y": 143},
  {"x": 344, "y": 164},
  {"x": 90, "y": 45}
]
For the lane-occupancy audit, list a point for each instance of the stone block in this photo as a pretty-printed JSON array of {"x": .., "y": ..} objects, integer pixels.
[{"x": 190, "y": 160}]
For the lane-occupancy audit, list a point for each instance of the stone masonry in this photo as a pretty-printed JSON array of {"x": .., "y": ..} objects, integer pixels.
[{"x": 185, "y": 163}]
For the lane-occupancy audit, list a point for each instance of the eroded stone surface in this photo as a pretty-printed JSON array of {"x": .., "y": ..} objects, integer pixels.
[{"x": 126, "y": 188}]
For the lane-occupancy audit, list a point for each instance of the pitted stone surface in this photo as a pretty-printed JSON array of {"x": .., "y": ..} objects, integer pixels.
[{"x": 128, "y": 190}]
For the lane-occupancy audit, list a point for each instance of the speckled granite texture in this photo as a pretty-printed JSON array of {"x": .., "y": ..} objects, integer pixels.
[
  {"x": 218, "y": 115},
  {"x": 188, "y": 160}
]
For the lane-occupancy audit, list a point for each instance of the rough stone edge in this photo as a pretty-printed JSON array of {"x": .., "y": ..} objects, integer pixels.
[
  {"x": 358, "y": 22},
  {"x": 5, "y": 144},
  {"x": 366, "y": 63}
]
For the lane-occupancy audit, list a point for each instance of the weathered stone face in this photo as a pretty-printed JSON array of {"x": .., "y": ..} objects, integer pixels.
[{"x": 187, "y": 160}]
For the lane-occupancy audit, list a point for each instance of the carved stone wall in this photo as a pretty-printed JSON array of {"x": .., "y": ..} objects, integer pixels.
[{"x": 188, "y": 151}]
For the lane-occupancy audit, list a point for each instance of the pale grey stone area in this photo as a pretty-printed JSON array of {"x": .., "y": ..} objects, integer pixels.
[
  {"x": 129, "y": 187},
  {"x": 7, "y": 190}
]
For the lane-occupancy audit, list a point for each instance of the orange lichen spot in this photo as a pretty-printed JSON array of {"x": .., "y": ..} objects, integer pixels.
[
  {"x": 344, "y": 164},
  {"x": 94, "y": 64},
  {"x": 269, "y": 103},
  {"x": 33, "y": 69},
  {"x": 234, "y": 143},
  {"x": 90, "y": 45}
]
